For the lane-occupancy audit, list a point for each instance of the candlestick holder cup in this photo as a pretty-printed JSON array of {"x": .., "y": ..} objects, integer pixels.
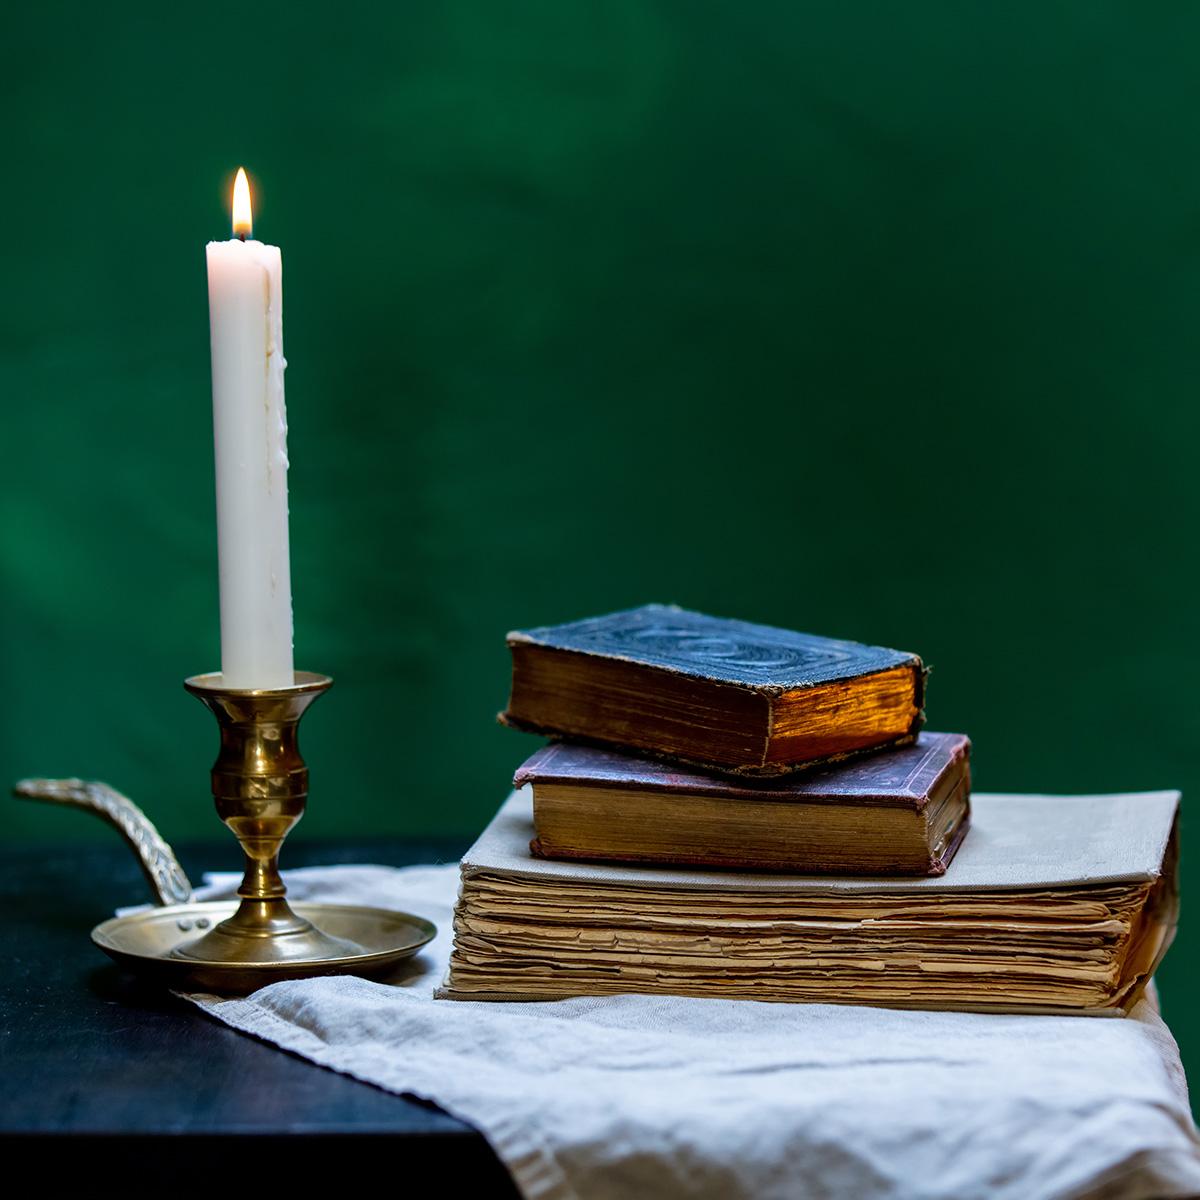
[{"x": 260, "y": 785}]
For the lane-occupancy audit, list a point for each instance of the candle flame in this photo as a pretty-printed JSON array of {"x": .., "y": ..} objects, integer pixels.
[{"x": 243, "y": 222}]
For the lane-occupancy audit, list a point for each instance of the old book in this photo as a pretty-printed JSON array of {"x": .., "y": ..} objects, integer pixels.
[
  {"x": 899, "y": 813},
  {"x": 727, "y": 695},
  {"x": 1054, "y": 904}
]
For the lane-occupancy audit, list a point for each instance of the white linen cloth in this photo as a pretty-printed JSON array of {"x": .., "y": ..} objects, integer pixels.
[{"x": 651, "y": 1096}]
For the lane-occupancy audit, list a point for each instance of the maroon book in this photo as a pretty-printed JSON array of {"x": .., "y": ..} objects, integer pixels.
[{"x": 904, "y": 812}]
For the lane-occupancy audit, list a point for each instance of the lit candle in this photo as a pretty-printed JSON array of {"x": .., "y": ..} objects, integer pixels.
[{"x": 245, "y": 304}]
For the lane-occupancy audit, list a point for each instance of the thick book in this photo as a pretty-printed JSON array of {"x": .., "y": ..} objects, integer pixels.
[
  {"x": 722, "y": 694},
  {"x": 1055, "y": 904},
  {"x": 900, "y": 813}
]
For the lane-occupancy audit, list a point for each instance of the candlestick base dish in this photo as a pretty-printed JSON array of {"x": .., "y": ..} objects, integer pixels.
[{"x": 162, "y": 944}]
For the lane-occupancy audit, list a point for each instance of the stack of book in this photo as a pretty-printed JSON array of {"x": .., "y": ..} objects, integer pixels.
[{"x": 730, "y": 809}]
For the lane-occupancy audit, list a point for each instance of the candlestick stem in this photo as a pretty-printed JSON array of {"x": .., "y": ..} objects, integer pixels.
[{"x": 260, "y": 785}]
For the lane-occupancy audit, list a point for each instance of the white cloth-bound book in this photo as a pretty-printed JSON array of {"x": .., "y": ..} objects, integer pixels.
[{"x": 1053, "y": 904}]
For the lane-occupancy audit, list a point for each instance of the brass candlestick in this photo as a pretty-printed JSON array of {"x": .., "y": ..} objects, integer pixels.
[{"x": 260, "y": 785}]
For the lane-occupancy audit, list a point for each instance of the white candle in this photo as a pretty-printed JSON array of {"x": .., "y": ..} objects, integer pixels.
[{"x": 245, "y": 302}]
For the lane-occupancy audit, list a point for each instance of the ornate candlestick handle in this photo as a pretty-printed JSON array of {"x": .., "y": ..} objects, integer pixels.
[
  {"x": 260, "y": 785},
  {"x": 159, "y": 864}
]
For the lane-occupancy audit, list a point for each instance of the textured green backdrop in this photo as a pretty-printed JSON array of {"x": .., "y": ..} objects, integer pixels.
[{"x": 877, "y": 320}]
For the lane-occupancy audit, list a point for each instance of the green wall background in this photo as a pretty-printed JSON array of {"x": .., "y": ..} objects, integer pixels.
[{"x": 875, "y": 320}]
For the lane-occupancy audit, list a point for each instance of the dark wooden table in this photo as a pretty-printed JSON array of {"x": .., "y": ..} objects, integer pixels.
[{"x": 99, "y": 1073}]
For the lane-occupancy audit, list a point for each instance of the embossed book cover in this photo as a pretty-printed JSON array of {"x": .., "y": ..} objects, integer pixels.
[
  {"x": 724, "y": 694},
  {"x": 898, "y": 813}
]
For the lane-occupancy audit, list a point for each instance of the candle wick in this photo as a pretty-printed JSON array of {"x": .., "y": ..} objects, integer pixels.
[{"x": 241, "y": 235}]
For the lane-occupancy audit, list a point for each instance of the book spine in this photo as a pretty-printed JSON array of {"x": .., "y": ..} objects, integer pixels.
[{"x": 920, "y": 865}]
